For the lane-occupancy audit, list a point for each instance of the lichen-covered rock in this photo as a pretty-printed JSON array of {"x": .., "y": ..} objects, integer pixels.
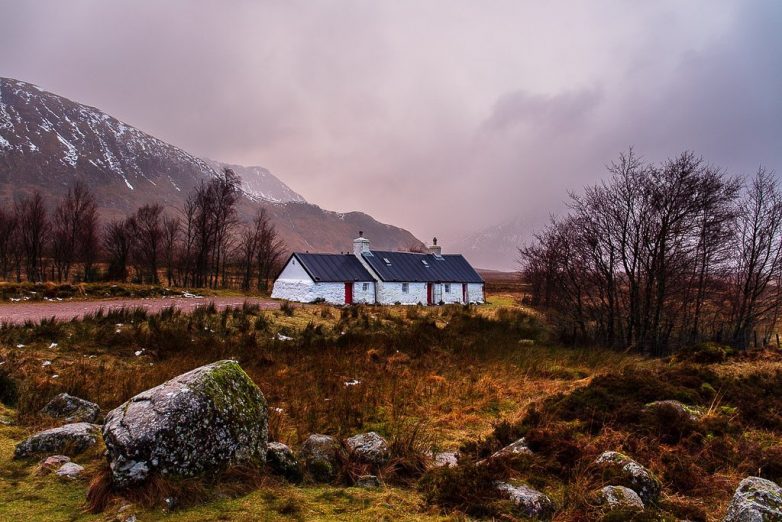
[
  {"x": 282, "y": 461},
  {"x": 674, "y": 408},
  {"x": 70, "y": 470},
  {"x": 368, "y": 482},
  {"x": 72, "y": 409},
  {"x": 70, "y": 439},
  {"x": 529, "y": 502},
  {"x": 202, "y": 420},
  {"x": 321, "y": 454},
  {"x": 619, "y": 499},
  {"x": 369, "y": 447},
  {"x": 621, "y": 470},
  {"x": 756, "y": 500}
]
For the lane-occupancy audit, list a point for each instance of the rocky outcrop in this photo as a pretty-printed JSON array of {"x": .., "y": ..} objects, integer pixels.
[
  {"x": 72, "y": 409},
  {"x": 511, "y": 450},
  {"x": 619, "y": 499},
  {"x": 529, "y": 502},
  {"x": 621, "y": 470},
  {"x": 70, "y": 439},
  {"x": 282, "y": 461},
  {"x": 756, "y": 499},
  {"x": 202, "y": 420},
  {"x": 321, "y": 454},
  {"x": 368, "y": 482},
  {"x": 446, "y": 459},
  {"x": 370, "y": 448}
]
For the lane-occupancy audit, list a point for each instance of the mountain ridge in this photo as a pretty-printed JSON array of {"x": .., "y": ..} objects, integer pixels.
[{"x": 47, "y": 141}]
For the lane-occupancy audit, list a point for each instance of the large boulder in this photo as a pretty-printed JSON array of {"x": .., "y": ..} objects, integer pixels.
[
  {"x": 756, "y": 499},
  {"x": 619, "y": 499},
  {"x": 674, "y": 410},
  {"x": 72, "y": 409},
  {"x": 370, "y": 448},
  {"x": 205, "y": 419},
  {"x": 321, "y": 455},
  {"x": 70, "y": 439},
  {"x": 529, "y": 502},
  {"x": 282, "y": 461},
  {"x": 621, "y": 470}
]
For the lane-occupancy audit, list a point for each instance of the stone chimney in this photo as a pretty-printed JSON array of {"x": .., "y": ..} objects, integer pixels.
[
  {"x": 360, "y": 244},
  {"x": 435, "y": 248}
]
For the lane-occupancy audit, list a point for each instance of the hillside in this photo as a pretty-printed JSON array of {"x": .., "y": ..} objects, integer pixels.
[
  {"x": 46, "y": 141},
  {"x": 494, "y": 247}
]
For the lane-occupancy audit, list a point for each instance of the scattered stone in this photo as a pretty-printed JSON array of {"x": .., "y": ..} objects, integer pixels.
[
  {"x": 517, "y": 448},
  {"x": 446, "y": 459},
  {"x": 619, "y": 498},
  {"x": 369, "y": 447},
  {"x": 320, "y": 454},
  {"x": 621, "y": 470},
  {"x": 368, "y": 482},
  {"x": 53, "y": 462},
  {"x": 678, "y": 409},
  {"x": 530, "y": 503},
  {"x": 282, "y": 461},
  {"x": 205, "y": 419},
  {"x": 755, "y": 499},
  {"x": 72, "y": 409},
  {"x": 70, "y": 439},
  {"x": 70, "y": 470}
]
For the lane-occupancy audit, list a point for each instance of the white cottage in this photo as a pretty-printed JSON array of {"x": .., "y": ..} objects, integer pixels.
[{"x": 371, "y": 276}]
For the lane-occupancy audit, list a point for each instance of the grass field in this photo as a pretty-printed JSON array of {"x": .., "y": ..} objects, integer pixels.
[{"x": 467, "y": 379}]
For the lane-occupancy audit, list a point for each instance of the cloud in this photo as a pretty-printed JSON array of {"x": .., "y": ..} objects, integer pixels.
[{"x": 443, "y": 116}]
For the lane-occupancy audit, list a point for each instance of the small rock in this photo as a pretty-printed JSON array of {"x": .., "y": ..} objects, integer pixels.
[
  {"x": 530, "y": 503},
  {"x": 282, "y": 461},
  {"x": 619, "y": 498},
  {"x": 368, "y": 482},
  {"x": 70, "y": 439},
  {"x": 70, "y": 470},
  {"x": 369, "y": 447},
  {"x": 53, "y": 462},
  {"x": 200, "y": 421},
  {"x": 72, "y": 409},
  {"x": 320, "y": 454},
  {"x": 517, "y": 448},
  {"x": 755, "y": 499},
  {"x": 624, "y": 471},
  {"x": 445, "y": 459}
]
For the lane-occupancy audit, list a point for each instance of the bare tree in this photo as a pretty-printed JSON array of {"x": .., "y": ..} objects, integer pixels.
[
  {"x": 34, "y": 229},
  {"x": 8, "y": 228},
  {"x": 171, "y": 230},
  {"x": 74, "y": 235},
  {"x": 148, "y": 231},
  {"x": 270, "y": 249},
  {"x": 118, "y": 242}
]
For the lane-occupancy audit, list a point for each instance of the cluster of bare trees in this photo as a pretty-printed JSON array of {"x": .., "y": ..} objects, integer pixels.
[
  {"x": 662, "y": 256},
  {"x": 204, "y": 245}
]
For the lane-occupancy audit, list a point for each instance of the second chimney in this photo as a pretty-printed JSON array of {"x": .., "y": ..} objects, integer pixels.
[{"x": 435, "y": 248}]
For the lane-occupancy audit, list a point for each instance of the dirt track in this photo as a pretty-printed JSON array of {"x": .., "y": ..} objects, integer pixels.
[{"x": 67, "y": 310}]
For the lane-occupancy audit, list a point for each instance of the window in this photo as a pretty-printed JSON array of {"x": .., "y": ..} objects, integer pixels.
[
  {"x": 425, "y": 262},
  {"x": 364, "y": 287},
  {"x": 405, "y": 288},
  {"x": 447, "y": 288},
  {"x": 387, "y": 261}
]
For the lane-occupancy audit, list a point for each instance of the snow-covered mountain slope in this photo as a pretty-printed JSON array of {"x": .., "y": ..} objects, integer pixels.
[
  {"x": 47, "y": 141},
  {"x": 494, "y": 247},
  {"x": 259, "y": 183}
]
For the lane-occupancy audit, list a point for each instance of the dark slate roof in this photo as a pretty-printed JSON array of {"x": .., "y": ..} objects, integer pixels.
[
  {"x": 333, "y": 267},
  {"x": 410, "y": 267}
]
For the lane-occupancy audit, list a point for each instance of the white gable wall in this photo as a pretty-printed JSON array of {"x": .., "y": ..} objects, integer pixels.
[
  {"x": 295, "y": 284},
  {"x": 475, "y": 293}
]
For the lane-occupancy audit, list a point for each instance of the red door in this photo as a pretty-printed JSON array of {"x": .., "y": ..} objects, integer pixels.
[
  {"x": 348, "y": 293},
  {"x": 429, "y": 294}
]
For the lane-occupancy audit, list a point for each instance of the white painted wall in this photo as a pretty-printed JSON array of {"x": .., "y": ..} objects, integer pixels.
[
  {"x": 295, "y": 284},
  {"x": 475, "y": 293},
  {"x": 363, "y": 296},
  {"x": 391, "y": 293}
]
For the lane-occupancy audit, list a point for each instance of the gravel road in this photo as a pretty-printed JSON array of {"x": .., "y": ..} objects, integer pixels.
[{"x": 66, "y": 310}]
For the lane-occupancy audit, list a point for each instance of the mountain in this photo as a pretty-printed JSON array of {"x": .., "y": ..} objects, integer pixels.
[
  {"x": 494, "y": 247},
  {"x": 259, "y": 183},
  {"x": 46, "y": 141}
]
